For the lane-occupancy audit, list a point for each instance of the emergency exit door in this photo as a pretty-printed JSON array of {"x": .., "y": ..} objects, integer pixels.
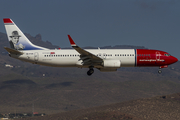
[{"x": 36, "y": 56}]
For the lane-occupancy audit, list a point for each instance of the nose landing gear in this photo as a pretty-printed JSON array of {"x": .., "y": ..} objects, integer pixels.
[{"x": 159, "y": 71}]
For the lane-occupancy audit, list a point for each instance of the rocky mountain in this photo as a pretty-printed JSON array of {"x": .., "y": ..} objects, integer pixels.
[
  {"x": 37, "y": 40},
  {"x": 156, "y": 108}
]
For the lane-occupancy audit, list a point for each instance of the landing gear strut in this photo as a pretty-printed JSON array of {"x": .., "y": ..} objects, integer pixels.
[{"x": 90, "y": 71}]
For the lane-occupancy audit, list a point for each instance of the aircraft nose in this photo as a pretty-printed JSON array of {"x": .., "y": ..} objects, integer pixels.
[{"x": 174, "y": 59}]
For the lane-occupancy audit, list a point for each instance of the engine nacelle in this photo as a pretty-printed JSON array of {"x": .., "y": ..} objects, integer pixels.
[
  {"x": 108, "y": 69},
  {"x": 112, "y": 63}
]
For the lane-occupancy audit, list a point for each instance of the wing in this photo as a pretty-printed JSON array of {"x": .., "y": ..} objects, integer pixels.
[{"x": 87, "y": 57}]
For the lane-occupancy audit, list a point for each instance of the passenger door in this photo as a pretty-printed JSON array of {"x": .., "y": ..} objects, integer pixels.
[{"x": 36, "y": 56}]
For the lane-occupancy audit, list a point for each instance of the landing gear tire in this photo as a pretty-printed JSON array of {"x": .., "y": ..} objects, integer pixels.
[
  {"x": 159, "y": 71},
  {"x": 90, "y": 72}
]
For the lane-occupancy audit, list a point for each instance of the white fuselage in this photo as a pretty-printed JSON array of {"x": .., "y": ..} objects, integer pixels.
[{"x": 71, "y": 58}]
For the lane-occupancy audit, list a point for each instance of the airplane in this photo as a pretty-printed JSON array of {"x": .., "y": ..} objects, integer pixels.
[{"x": 105, "y": 60}]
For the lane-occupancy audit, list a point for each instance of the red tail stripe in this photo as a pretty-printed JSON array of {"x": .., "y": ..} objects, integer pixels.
[{"x": 7, "y": 20}]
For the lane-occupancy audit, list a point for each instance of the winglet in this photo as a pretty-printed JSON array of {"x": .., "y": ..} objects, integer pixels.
[{"x": 71, "y": 41}]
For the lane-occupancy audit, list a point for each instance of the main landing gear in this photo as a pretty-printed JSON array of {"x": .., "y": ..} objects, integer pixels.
[{"x": 90, "y": 71}]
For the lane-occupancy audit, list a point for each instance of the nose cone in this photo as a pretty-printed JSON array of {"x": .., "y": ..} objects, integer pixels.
[{"x": 174, "y": 59}]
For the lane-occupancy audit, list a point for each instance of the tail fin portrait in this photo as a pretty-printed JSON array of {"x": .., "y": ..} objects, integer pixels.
[{"x": 17, "y": 39}]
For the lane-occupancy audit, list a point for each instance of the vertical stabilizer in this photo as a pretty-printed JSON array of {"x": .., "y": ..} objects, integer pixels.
[{"x": 17, "y": 39}]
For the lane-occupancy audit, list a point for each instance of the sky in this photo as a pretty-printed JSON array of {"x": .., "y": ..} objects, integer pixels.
[{"x": 154, "y": 24}]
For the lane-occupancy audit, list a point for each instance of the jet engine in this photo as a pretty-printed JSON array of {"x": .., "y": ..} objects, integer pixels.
[{"x": 111, "y": 63}]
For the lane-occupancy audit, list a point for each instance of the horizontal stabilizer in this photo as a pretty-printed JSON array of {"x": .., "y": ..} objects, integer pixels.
[{"x": 12, "y": 51}]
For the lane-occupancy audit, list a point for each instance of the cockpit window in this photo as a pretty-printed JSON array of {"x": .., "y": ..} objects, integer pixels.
[{"x": 167, "y": 54}]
